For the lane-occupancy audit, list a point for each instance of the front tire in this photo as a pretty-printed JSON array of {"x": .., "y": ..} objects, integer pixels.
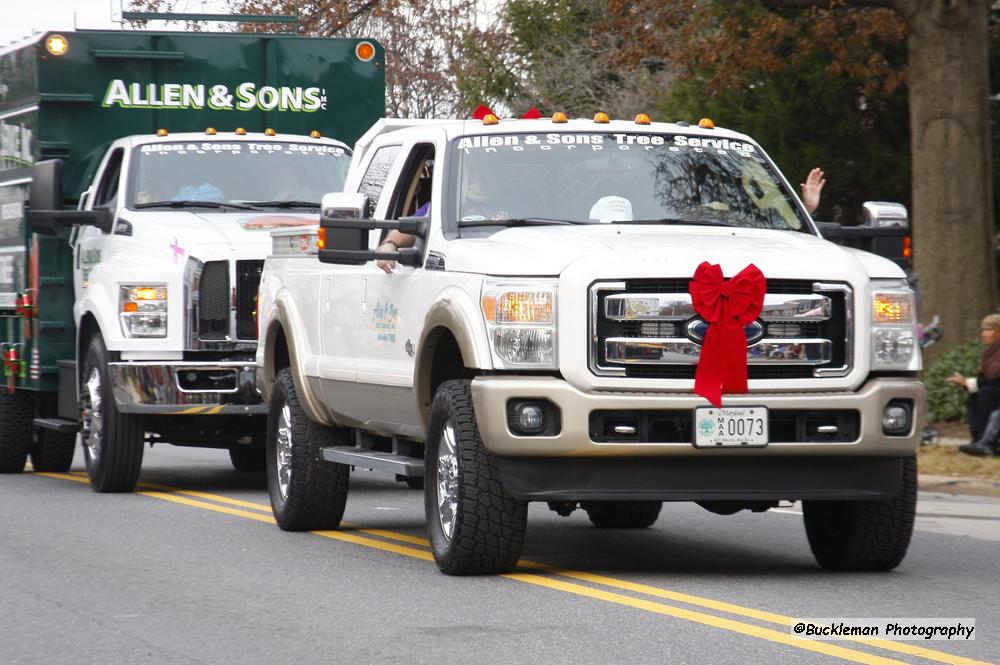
[
  {"x": 17, "y": 412},
  {"x": 307, "y": 494},
  {"x": 623, "y": 514},
  {"x": 112, "y": 441},
  {"x": 475, "y": 527},
  {"x": 863, "y": 535},
  {"x": 53, "y": 451}
]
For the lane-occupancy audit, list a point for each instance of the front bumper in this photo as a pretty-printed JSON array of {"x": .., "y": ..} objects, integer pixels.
[
  {"x": 186, "y": 388},
  {"x": 491, "y": 394}
]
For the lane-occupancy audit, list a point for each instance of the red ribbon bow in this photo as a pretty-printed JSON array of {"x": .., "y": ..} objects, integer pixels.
[{"x": 728, "y": 307}]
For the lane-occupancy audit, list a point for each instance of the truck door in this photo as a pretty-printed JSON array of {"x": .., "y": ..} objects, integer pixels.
[
  {"x": 342, "y": 291},
  {"x": 391, "y": 315},
  {"x": 93, "y": 245}
]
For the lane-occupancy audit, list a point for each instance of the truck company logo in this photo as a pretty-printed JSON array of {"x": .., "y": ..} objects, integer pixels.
[
  {"x": 598, "y": 142},
  {"x": 385, "y": 318},
  {"x": 246, "y": 97}
]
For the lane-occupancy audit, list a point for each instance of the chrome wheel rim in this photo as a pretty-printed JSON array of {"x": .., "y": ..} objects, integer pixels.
[
  {"x": 447, "y": 480},
  {"x": 92, "y": 415},
  {"x": 283, "y": 451}
]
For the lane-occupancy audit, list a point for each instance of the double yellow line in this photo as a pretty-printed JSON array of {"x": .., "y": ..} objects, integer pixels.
[{"x": 554, "y": 578}]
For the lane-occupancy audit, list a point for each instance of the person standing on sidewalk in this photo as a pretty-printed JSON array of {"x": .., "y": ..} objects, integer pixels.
[{"x": 983, "y": 407}]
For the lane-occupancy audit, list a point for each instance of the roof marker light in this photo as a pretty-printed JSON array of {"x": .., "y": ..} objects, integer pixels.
[
  {"x": 642, "y": 119},
  {"x": 314, "y": 134},
  {"x": 240, "y": 131},
  {"x": 490, "y": 119},
  {"x": 602, "y": 118},
  {"x": 365, "y": 51},
  {"x": 706, "y": 123},
  {"x": 161, "y": 132},
  {"x": 56, "y": 45},
  {"x": 269, "y": 131},
  {"x": 210, "y": 131},
  {"x": 559, "y": 117}
]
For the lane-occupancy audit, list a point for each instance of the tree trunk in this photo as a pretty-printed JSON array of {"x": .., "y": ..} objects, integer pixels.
[{"x": 952, "y": 198}]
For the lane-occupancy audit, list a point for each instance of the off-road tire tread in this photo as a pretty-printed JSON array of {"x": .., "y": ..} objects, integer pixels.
[
  {"x": 317, "y": 494},
  {"x": 17, "y": 414},
  {"x": 622, "y": 514},
  {"x": 490, "y": 527},
  {"x": 248, "y": 458},
  {"x": 121, "y": 451},
  {"x": 53, "y": 451},
  {"x": 874, "y": 534}
]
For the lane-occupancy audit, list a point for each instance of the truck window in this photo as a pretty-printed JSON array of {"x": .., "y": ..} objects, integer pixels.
[
  {"x": 620, "y": 178},
  {"x": 378, "y": 170},
  {"x": 414, "y": 189},
  {"x": 107, "y": 189},
  {"x": 267, "y": 173}
]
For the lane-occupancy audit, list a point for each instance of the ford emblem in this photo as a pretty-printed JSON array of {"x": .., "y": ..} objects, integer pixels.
[{"x": 697, "y": 328}]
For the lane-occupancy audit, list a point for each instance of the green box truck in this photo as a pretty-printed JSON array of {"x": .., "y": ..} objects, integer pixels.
[{"x": 155, "y": 163}]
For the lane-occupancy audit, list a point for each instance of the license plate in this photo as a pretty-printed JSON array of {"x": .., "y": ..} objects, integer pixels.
[{"x": 736, "y": 427}]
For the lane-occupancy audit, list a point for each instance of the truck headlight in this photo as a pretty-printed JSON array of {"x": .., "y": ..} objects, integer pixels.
[
  {"x": 520, "y": 320},
  {"x": 143, "y": 310},
  {"x": 894, "y": 326}
]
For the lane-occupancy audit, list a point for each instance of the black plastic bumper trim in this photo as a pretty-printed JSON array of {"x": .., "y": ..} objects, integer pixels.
[{"x": 702, "y": 478}]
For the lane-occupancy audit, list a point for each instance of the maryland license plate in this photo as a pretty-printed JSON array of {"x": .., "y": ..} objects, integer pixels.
[{"x": 737, "y": 427}]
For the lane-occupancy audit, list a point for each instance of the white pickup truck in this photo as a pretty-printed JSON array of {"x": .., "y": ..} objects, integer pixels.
[
  {"x": 167, "y": 250},
  {"x": 538, "y": 342}
]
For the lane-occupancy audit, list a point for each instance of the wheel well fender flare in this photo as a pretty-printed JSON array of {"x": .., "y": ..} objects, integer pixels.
[{"x": 446, "y": 319}]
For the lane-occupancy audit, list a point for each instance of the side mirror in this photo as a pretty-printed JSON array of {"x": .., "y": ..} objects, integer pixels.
[
  {"x": 343, "y": 232},
  {"x": 45, "y": 214},
  {"x": 881, "y": 214},
  {"x": 335, "y": 209},
  {"x": 46, "y": 185}
]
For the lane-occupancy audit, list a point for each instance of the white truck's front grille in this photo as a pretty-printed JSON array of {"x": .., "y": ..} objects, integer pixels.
[{"x": 648, "y": 328}]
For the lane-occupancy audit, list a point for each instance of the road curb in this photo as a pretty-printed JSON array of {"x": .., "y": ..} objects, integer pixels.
[{"x": 958, "y": 485}]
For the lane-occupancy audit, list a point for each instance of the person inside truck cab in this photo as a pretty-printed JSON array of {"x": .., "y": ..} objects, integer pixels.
[{"x": 416, "y": 204}]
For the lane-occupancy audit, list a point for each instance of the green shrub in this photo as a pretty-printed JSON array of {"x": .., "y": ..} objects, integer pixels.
[{"x": 946, "y": 401}]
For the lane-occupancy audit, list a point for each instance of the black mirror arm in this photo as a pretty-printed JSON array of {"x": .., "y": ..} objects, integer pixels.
[{"x": 413, "y": 225}]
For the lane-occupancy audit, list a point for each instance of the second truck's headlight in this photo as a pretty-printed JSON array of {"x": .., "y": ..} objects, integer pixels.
[
  {"x": 143, "y": 310},
  {"x": 521, "y": 322},
  {"x": 894, "y": 326}
]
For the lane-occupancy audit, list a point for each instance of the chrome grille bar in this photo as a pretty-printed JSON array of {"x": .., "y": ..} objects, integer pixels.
[
  {"x": 682, "y": 351},
  {"x": 678, "y": 307}
]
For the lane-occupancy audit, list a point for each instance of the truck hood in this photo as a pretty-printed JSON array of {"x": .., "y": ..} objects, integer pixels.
[
  {"x": 206, "y": 235},
  {"x": 620, "y": 250}
]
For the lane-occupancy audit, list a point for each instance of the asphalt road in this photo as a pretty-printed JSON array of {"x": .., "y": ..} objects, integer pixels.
[{"x": 193, "y": 570}]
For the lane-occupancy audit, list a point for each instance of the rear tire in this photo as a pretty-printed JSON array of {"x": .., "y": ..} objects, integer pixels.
[
  {"x": 863, "y": 535},
  {"x": 112, "y": 441},
  {"x": 248, "y": 458},
  {"x": 17, "y": 413},
  {"x": 307, "y": 494},
  {"x": 475, "y": 527},
  {"x": 53, "y": 451},
  {"x": 622, "y": 514}
]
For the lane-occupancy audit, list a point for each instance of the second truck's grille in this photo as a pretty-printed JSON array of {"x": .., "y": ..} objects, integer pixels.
[
  {"x": 213, "y": 301},
  {"x": 247, "y": 283}
]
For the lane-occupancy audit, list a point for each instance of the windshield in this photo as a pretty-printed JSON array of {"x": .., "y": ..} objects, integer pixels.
[
  {"x": 619, "y": 178},
  {"x": 237, "y": 172}
]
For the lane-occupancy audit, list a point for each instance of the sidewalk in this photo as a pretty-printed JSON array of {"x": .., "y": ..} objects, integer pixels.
[{"x": 957, "y": 484}]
